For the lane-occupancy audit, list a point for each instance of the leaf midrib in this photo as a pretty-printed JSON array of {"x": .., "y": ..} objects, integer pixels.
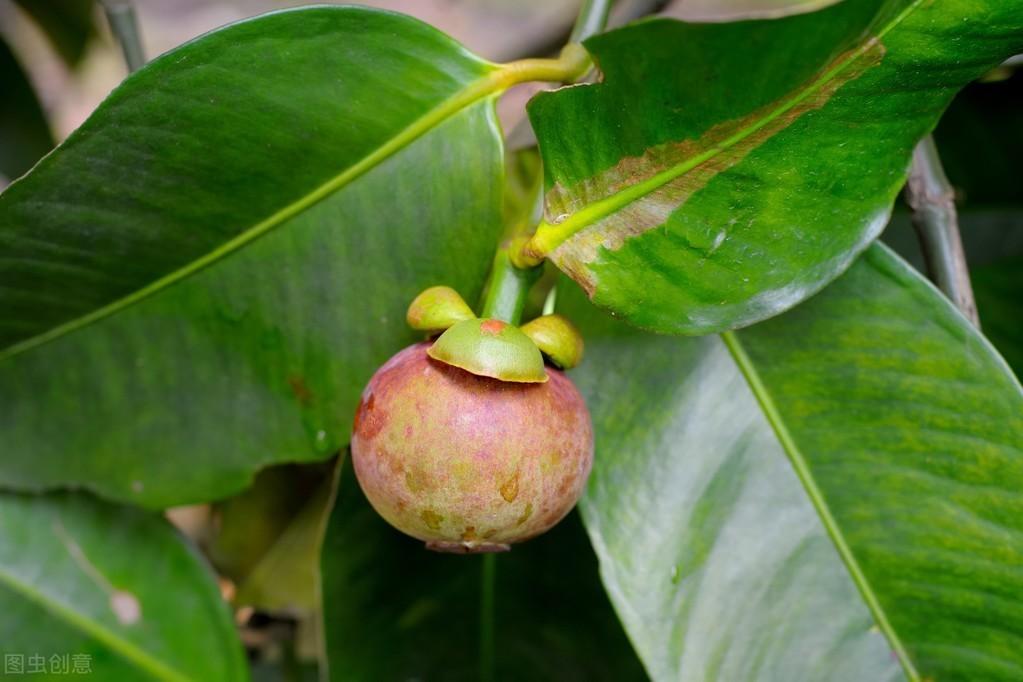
[
  {"x": 799, "y": 465},
  {"x": 492, "y": 82},
  {"x": 551, "y": 235}
]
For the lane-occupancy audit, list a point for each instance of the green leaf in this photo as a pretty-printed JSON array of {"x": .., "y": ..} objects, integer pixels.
[
  {"x": 395, "y": 611},
  {"x": 24, "y": 133},
  {"x": 981, "y": 142},
  {"x": 993, "y": 241},
  {"x": 202, "y": 278},
  {"x": 906, "y": 430},
  {"x": 114, "y": 586},
  {"x": 713, "y": 556},
  {"x": 739, "y": 181}
]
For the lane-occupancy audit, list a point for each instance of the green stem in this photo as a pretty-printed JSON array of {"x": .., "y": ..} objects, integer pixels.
[
  {"x": 932, "y": 199},
  {"x": 591, "y": 20},
  {"x": 508, "y": 287},
  {"x": 125, "y": 27},
  {"x": 489, "y": 572}
]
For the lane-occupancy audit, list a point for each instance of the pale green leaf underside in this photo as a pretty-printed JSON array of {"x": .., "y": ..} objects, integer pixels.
[
  {"x": 715, "y": 560},
  {"x": 906, "y": 429}
]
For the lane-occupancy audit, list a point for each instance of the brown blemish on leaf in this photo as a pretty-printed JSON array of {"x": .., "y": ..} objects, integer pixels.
[
  {"x": 300, "y": 390},
  {"x": 469, "y": 534},
  {"x": 492, "y": 327},
  {"x": 510, "y": 488},
  {"x": 124, "y": 605},
  {"x": 526, "y": 513},
  {"x": 720, "y": 148},
  {"x": 431, "y": 518}
]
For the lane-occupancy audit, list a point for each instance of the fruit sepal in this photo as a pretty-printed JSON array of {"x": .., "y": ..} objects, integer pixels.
[{"x": 491, "y": 348}]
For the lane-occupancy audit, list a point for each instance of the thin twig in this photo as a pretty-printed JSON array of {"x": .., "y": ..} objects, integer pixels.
[
  {"x": 932, "y": 199},
  {"x": 125, "y": 27}
]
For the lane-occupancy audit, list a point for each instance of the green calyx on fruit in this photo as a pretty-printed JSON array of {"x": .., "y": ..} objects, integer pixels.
[
  {"x": 469, "y": 463},
  {"x": 557, "y": 338},
  {"x": 436, "y": 309},
  {"x": 491, "y": 348}
]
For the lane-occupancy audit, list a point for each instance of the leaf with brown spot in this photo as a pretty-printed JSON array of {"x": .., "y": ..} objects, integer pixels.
[
  {"x": 722, "y": 173},
  {"x": 115, "y": 584}
]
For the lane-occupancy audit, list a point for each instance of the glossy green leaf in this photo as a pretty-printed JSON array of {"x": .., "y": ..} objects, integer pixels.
[
  {"x": 111, "y": 591},
  {"x": 906, "y": 429},
  {"x": 713, "y": 556},
  {"x": 981, "y": 142},
  {"x": 735, "y": 183},
  {"x": 24, "y": 133},
  {"x": 201, "y": 279},
  {"x": 396, "y": 611},
  {"x": 993, "y": 241}
]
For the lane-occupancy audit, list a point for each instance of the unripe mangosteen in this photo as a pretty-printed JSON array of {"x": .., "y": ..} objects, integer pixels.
[{"x": 469, "y": 463}]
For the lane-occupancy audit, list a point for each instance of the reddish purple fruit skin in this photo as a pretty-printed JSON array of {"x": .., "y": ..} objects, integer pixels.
[{"x": 469, "y": 463}]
